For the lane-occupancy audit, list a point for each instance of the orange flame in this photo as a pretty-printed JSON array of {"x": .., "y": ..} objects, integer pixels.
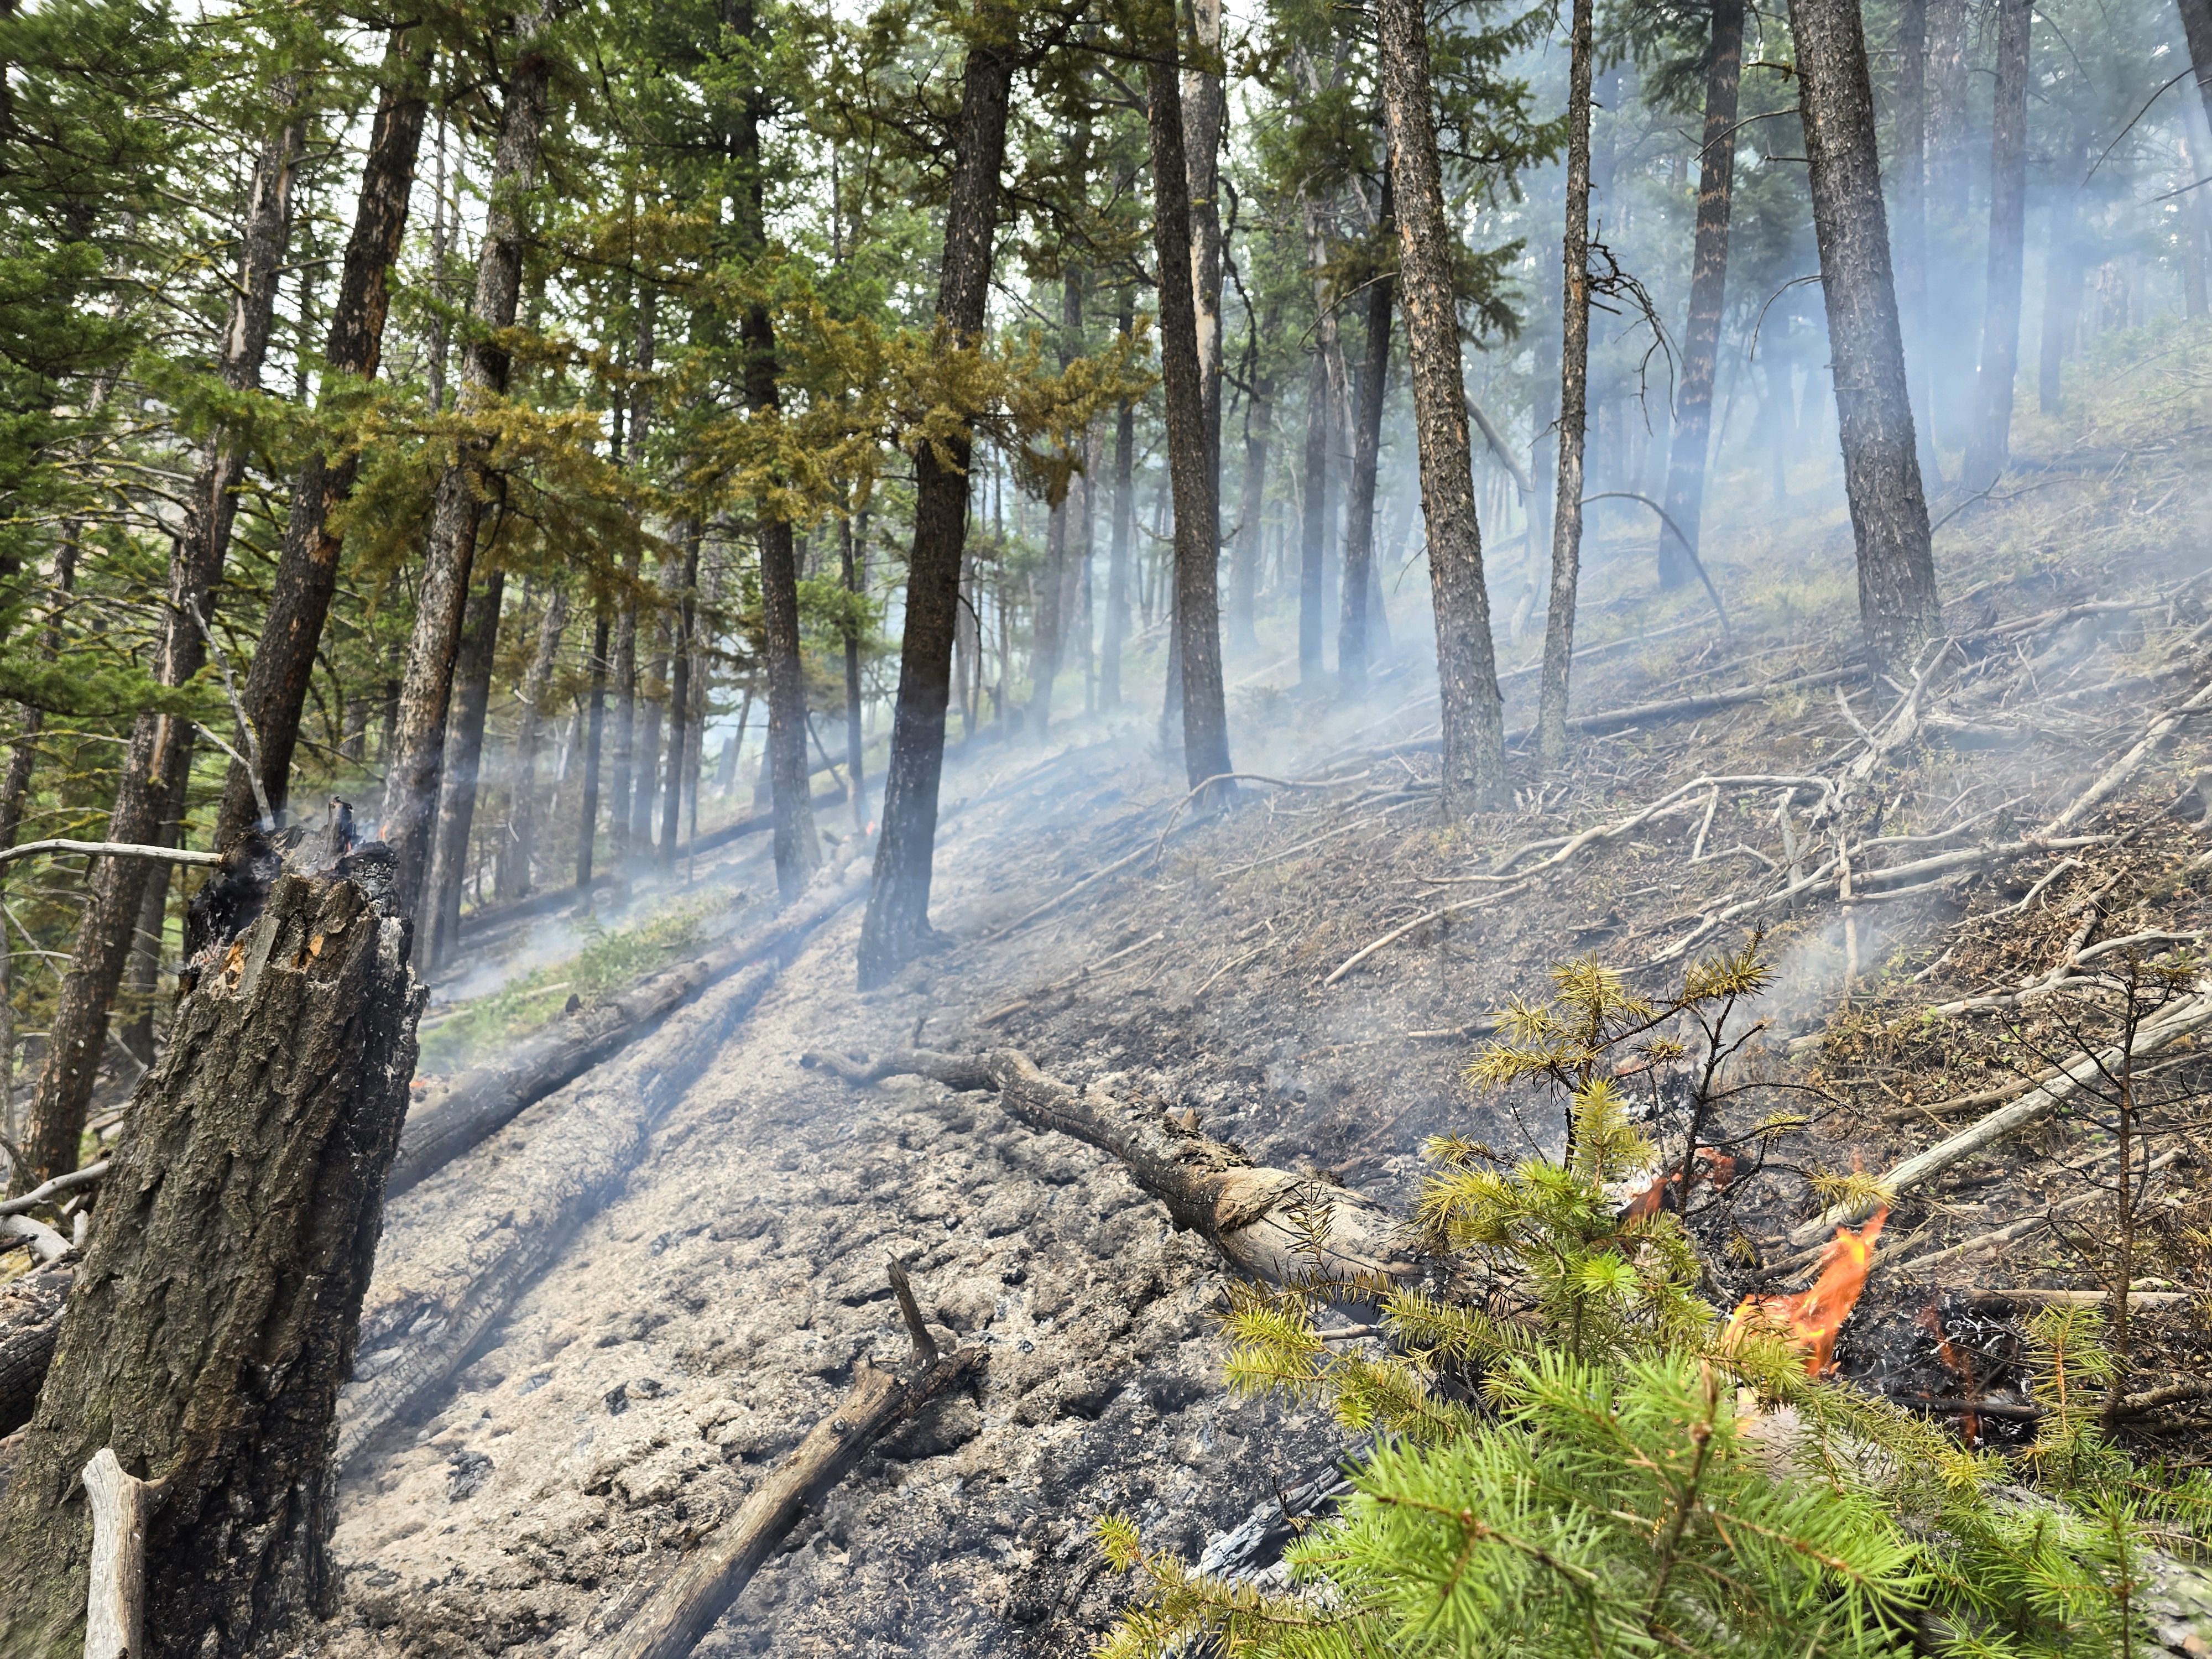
[
  {"x": 1812, "y": 1318},
  {"x": 1959, "y": 1363}
]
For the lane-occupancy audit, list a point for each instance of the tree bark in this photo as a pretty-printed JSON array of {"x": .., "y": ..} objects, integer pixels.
[
  {"x": 2196, "y": 29},
  {"x": 1356, "y": 630},
  {"x": 1898, "y": 606},
  {"x": 1192, "y": 470},
  {"x": 646, "y": 775},
  {"x": 30, "y": 1322},
  {"x": 1910, "y": 177},
  {"x": 853, "y": 566},
  {"x": 520, "y": 850},
  {"x": 213, "y": 1320},
  {"x": 276, "y": 688},
  {"x": 1694, "y": 417},
  {"x": 411, "y": 790},
  {"x": 441, "y": 923},
  {"x": 1205, "y": 117},
  {"x": 1574, "y": 396},
  {"x": 1313, "y": 526},
  {"x": 898, "y": 900},
  {"x": 1950, "y": 361},
  {"x": 1244, "y": 560},
  {"x": 1991, "y": 447},
  {"x": 1123, "y": 532},
  {"x": 1052, "y": 612},
  {"x": 682, "y": 688},
  {"x": 595, "y": 714},
  {"x": 154, "y": 763},
  {"x": 1466, "y": 666}
]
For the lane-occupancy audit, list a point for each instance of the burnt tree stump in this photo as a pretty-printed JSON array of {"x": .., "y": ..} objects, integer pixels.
[{"x": 214, "y": 1316}]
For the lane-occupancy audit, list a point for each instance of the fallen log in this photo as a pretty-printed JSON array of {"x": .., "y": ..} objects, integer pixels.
[
  {"x": 30, "y": 1321},
  {"x": 488, "y": 1095},
  {"x": 1246, "y": 1212},
  {"x": 213, "y": 1317},
  {"x": 2163, "y": 728},
  {"x": 684, "y": 1609},
  {"x": 461, "y": 1247}
]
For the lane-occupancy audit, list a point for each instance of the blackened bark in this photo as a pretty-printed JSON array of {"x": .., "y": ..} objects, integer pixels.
[
  {"x": 682, "y": 687},
  {"x": 595, "y": 714},
  {"x": 1123, "y": 532},
  {"x": 30, "y": 1324},
  {"x": 517, "y": 856},
  {"x": 1193, "y": 471},
  {"x": 1466, "y": 665},
  {"x": 1898, "y": 606},
  {"x": 276, "y": 688},
  {"x": 1355, "y": 632},
  {"x": 1313, "y": 523},
  {"x": 440, "y": 925},
  {"x": 1992, "y": 440},
  {"x": 411, "y": 789},
  {"x": 2196, "y": 29},
  {"x": 1693, "y": 404},
  {"x": 213, "y": 1318},
  {"x": 1574, "y": 394},
  {"x": 154, "y": 763},
  {"x": 898, "y": 897}
]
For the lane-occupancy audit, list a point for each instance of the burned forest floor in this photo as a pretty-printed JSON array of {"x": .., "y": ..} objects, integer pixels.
[{"x": 693, "y": 1329}]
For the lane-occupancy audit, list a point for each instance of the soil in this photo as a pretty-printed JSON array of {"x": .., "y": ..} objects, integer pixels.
[{"x": 696, "y": 1328}]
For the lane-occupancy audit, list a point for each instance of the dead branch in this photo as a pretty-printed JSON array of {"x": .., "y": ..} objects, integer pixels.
[
  {"x": 2018, "y": 1230},
  {"x": 1483, "y": 902},
  {"x": 1605, "y": 832},
  {"x": 1066, "y": 894},
  {"x": 52, "y": 1189},
  {"x": 45, "y": 1243},
  {"x": 1071, "y": 981},
  {"x": 109, "y": 849},
  {"x": 115, "y": 1603},
  {"x": 2163, "y": 728}
]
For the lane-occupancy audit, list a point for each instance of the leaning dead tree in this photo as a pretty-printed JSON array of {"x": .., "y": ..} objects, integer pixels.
[{"x": 213, "y": 1315}]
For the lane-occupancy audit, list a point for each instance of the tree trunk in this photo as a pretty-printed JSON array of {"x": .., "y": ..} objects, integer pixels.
[
  {"x": 1192, "y": 473},
  {"x": 441, "y": 923},
  {"x": 1466, "y": 666},
  {"x": 213, "y": 1318},
  {"x": 1910, "y": 176},
  {"x": 1313, "y": 523},
  {"x": 1693, "y": 405},
  {"x": 154, "y": 763},
  {"x": 1123, "y": 532},
  {"x": 898, "y": 899},
  {"x": 1574, "y": 394},
  {"x": 1052, "y": 613},
  {"x": 1950, "y": 362},
  {"x": 30, "y": 1321},
  {"x": 618, "y": 796},
  {"x": 1259, "y": 433},
  {"x": 587, "y": 822},
  {"x": 1898, "y": 606},
  {"x": 1355, "y": 633},
  {"x": 646, "y": 775},
  {"x": 142, "y": 978},
  {"x": 797, "y": 844},
  {"x": 682, "y": 688},
  {"x": 411, "y": 789},
  {"x": 853, "y": 562},
  {"x": 1205, "y": 115},
  {"x": 1992, "y": 444},
  {"x": 275, "y": 688},
  {"x": 521, "y": 847}
]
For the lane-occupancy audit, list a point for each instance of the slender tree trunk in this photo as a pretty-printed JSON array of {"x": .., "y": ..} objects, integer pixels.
[
  {"x": 2196, "y": 30},
  {"x": 521, "y": 852},
  {"x": 1466, "y": 666},
  {"x": 1205, "y": 117},
  {"x": 1258, "y": 434},
  {"x": 156, "y": 760},
  {"x": 440, "y": 923},
  {"x": 1910, "y": 177},
  {"x": 897, "y": 919},
  {"x": 1992, "y": 444},
  {"x": 1950, "y": 361},
  {"x": 587, "y": 822},
  {"x": 1898, "y": 604},
  {"x": 1313, "y": 523},
  {"x": 1123, "y": 532},
  {"x": 276, "y": 688},
  {"x": 411, "y": 790},
  {"x": 1355, "y": 634},
  {"x": 1574, "y": 391},
  {"x": 1051, "y": 614},
  {"x": 1694, "y": 404},
  {"x": 618, "y": 796},
  {"x": 1182, "y": 373},
  {"x": 142, "y": 978},
  {"x": 853, "y": 562},
  {"x": 646, "y": 779},
  {"x": 681, "y": 689}
]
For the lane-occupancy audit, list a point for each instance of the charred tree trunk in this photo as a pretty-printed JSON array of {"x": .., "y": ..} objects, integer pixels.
[
  {"x": 1694, "y": 417},
  {"x": 1123, "y": 532},
  {"x": 683, "y": 687},
  {"x": 1466, "y": 666},
  {"x": 154, "y": 765},
  {"x": 515, "y": 858},
  {"x": 898, "y": 900},
  {"x": 1192, "y": 470},
  {"x": 1910, "y": 175},
  {"x": 276, "y": 689},
  {"x": 30, "y": 1321},
  {"x": 213, "y": 1318},
  {"x": 1356, "y": 630},
  {"x": 595, "y": 715},
  {"x": 1898, "y": 606},
  {"x": 411, "y": 789},
  {"x": 2197, "y": 28},
  {"x": 1574, "y": 403},
  {"x": 440, "y": 923},
  {"x": 1204, "y": 117},
  {"x": 1992, "y": 442}
]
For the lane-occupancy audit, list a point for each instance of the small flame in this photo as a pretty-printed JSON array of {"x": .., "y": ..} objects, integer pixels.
[
  {"x": 1812, "y": 1318},
  {"x": 1959, "y": 1363}
]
